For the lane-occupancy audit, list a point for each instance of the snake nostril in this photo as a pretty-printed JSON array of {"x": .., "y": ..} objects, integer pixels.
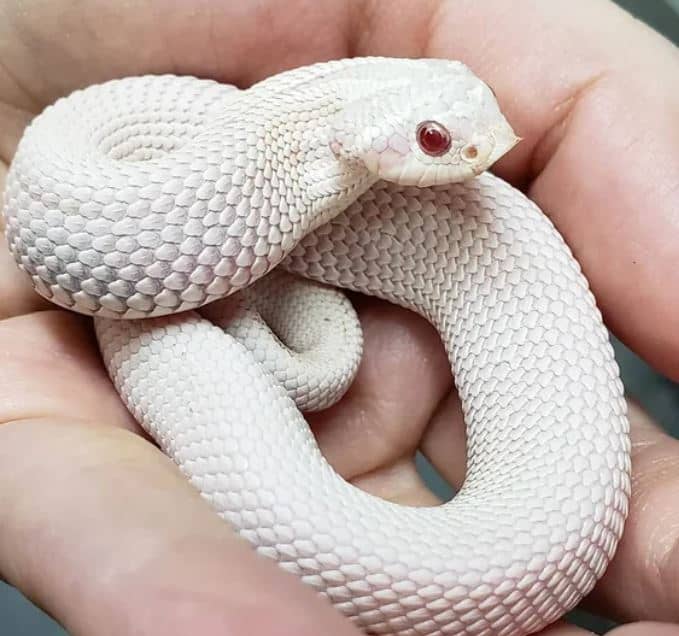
[{"x": 470, "y": 152}]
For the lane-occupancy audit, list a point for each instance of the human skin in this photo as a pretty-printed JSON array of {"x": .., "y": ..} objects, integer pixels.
[{"x": 101, "y": 530}]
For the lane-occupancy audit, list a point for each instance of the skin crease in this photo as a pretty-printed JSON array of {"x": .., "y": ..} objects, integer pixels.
[{"x": 100, "y": 529}]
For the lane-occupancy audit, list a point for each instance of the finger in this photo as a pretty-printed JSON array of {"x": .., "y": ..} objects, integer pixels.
[
  {"x": 14, "y": 120},
  {"x": 104, "y": 533},
  {"x": 444, "y": 442},
  {"x": 100, "y": 528},
  {"x": 16, "y": 293},
  {"x": 642, "y": 582},
  {"x": 645, "y": 629},
  {"x": 45, "y": 356},
  {"x": 17, "y": 296},
  {"x": 563, "y": 629},
  {"x": 404, "y": 373},
  {"x": 399, "y": 482},
  {"x": 220, "y": 40},
  {"x": 599, "y": 151}
]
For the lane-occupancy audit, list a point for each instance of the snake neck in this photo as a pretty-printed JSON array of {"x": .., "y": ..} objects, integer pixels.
[{"x": 307, "y": 114}]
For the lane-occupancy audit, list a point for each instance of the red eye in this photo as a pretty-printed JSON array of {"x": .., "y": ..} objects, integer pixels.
[{"x": 433, "y": 138}]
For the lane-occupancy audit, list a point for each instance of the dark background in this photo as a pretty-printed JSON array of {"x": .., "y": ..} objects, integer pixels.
[{"x": 657, "y": 394}]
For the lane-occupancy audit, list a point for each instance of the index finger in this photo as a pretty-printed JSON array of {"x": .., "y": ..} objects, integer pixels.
[{"x": 601, "y": 130}]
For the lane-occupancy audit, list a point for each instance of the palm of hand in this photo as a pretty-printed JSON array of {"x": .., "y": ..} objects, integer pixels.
[{"x": 106, "y": 510}]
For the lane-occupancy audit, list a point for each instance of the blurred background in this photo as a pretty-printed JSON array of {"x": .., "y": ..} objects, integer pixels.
[{"x": 660, "y": 397}]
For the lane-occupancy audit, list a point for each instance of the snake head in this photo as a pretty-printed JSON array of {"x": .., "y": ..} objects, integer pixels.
[{"x": 440, "y": 124}]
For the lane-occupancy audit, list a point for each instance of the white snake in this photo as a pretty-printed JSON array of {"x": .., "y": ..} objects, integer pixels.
[{"x": 156, "y": 195}]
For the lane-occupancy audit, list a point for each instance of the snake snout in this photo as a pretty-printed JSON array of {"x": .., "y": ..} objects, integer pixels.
[{"x": 504, "y": 140}]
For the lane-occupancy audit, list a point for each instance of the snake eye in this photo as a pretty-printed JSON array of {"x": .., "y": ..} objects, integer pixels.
[{"x": 433, "y": 138}]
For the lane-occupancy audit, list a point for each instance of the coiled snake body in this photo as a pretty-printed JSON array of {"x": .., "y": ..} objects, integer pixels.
[{"x": 151, "y": 197}]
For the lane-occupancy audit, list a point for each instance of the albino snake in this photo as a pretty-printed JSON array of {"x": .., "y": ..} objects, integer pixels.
[{"x": 145, "y": 197}]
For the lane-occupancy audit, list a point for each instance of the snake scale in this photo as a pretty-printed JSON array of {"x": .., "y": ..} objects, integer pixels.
[{"x": 143, "y": 200}]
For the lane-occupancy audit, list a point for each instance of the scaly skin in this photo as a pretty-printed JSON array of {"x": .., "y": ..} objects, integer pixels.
[{"x": 171, "y": 209}]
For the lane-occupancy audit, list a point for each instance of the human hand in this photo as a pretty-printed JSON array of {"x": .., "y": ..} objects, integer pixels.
[{"x": 101, "y": 530}]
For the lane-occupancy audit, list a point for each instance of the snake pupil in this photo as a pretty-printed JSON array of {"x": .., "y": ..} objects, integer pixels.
[{"x": 433, "y": 138}]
